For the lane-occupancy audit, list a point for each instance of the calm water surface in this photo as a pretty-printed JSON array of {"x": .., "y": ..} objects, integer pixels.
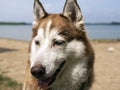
[{"x": 22, "y": 32}]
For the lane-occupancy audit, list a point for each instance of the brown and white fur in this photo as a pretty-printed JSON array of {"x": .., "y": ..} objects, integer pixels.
[{"x": 61, "y": 57}]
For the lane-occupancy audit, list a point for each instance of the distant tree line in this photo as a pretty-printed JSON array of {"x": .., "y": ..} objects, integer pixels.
[{"x": 14, "y": 23}]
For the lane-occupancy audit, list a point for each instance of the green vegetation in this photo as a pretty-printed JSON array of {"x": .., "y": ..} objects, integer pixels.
[{"x": 9, "y": 84}]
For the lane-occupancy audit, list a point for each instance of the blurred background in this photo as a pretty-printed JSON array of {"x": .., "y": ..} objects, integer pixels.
[
  {"x": 102, "y": 22},
  {"x": 102, "y": 17}
]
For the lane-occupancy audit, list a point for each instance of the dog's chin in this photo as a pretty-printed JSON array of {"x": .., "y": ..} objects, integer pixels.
[{"x": 45, "y": 83}]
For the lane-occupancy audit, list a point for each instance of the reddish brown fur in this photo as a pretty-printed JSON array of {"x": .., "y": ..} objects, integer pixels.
[{"x": 62, "y": 24}]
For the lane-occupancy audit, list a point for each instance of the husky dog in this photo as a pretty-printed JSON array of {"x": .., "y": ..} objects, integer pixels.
[{"x": 61, "y": 56}]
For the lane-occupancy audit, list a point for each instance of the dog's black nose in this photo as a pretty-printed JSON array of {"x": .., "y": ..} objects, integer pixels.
[{"x": 38, "y": 71}]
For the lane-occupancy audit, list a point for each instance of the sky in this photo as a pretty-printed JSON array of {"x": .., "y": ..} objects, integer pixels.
[{"x": 92, "y": 10}]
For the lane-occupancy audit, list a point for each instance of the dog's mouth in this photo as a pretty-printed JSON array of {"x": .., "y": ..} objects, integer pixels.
[{"x": 49, "y": 81}]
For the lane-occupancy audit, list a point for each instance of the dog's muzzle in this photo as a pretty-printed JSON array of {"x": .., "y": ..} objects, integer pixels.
[{"x": 39, "y": 71}]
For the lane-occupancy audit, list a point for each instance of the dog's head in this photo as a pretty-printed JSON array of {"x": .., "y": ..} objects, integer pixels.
[{"x": 56, "y": 39}]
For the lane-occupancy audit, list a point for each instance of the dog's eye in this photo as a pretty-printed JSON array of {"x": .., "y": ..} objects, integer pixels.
[
  {"x": 59, "y": 42},
  {"x": 37, "y": 42}
]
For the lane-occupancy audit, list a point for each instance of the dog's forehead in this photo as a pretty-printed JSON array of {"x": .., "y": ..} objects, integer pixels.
[
  {"x": 58, "y": 21},
  {"x": 53, "y": 22}
]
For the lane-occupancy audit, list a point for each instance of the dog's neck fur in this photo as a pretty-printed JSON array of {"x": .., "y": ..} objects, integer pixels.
[{"x": 72, "y": 77}]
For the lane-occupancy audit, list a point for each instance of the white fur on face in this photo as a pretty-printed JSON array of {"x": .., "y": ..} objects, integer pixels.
[
  {"x": 77, "y": 48},
  {"x": 79, "y": 68},
  {"x": 75, "y": 69},
  {"x": 52, "y": 56},
  {"x": 45, "y": 54}
]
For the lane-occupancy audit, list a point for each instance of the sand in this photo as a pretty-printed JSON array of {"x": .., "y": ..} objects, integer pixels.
[{"x": 13, "y": 55}]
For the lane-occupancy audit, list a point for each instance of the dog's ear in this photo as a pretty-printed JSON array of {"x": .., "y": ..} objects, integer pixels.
[
  {"x": 38, "y": 10},
  {"x": 73, "y": 13}
]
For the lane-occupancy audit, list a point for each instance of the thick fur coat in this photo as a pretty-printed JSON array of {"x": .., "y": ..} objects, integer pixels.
[{"x": 60, "y": 55}]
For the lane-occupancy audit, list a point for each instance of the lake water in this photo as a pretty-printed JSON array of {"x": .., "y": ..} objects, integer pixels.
[{"x": 22, "y": 32}]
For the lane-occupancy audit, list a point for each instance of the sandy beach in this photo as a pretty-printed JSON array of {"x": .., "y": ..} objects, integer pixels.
[{"x": 14, "y": 54}]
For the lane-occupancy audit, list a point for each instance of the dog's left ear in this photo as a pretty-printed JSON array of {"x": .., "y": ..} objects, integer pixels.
[
  {"x": 73, "y": 13},
  {"x": 38, "y": 10}
]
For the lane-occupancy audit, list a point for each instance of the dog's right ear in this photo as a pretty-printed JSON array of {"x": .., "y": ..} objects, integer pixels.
[
  {"x": 73, "y": 12},
  {"x": 39, "y": 11}
]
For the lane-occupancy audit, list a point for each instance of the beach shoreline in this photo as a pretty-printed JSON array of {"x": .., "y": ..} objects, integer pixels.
[{"x": 14, "y": 54}]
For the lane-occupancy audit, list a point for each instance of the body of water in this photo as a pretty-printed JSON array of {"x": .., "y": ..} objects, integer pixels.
[{"x": 24, "y": 32}]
